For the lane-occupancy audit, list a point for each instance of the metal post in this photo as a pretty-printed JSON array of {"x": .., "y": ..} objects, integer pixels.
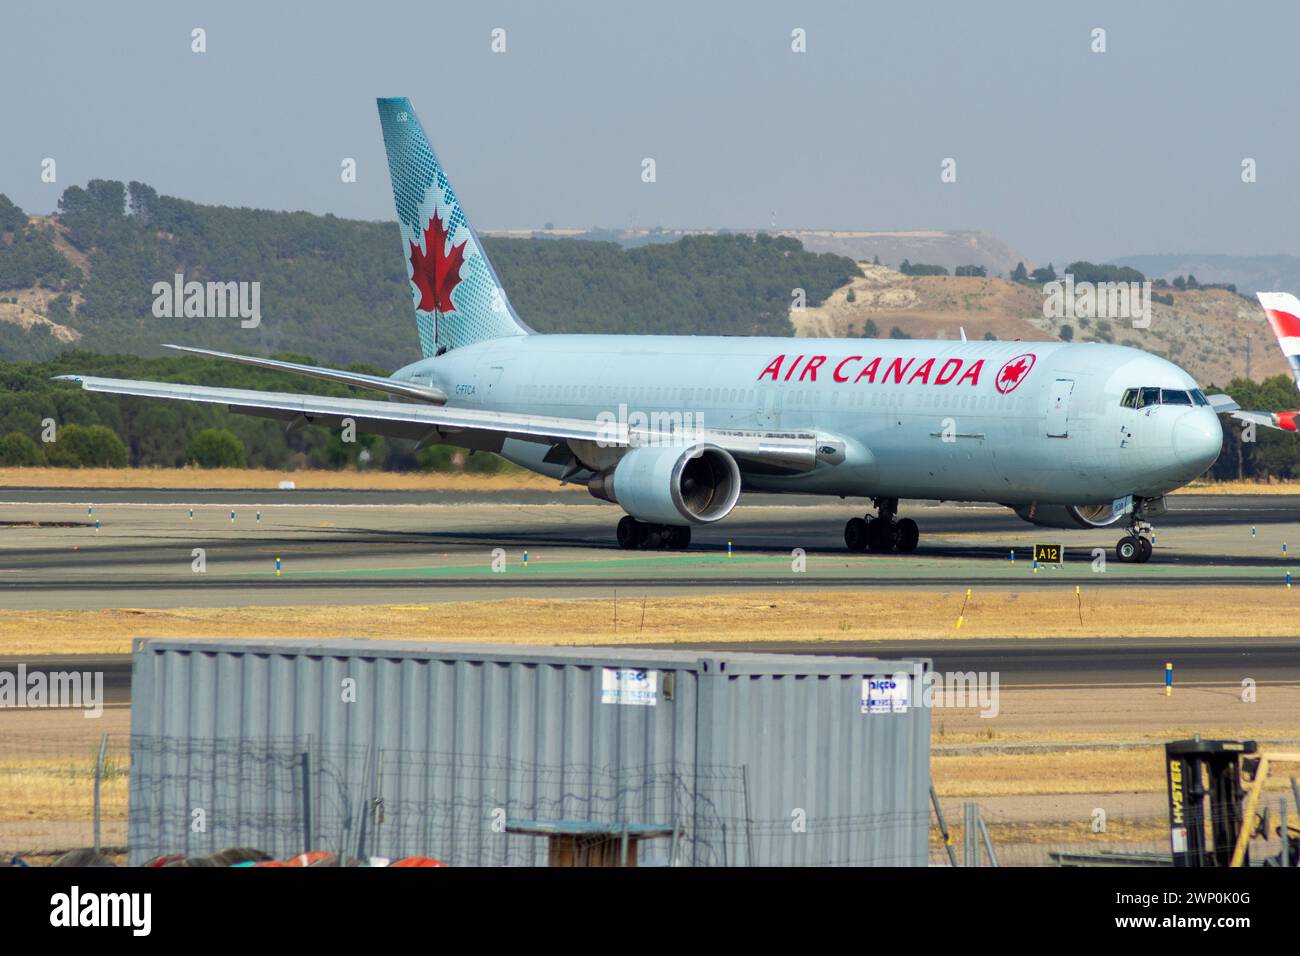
[
  {"x": 622, "y": 850},
  {"x": 377, "y": 807},
  {"x": 99, "y": 773},
  {"x": 988, "y": 841},
  {"x": 672, "y": 846},
  {"x": 965, "y": 834},
  {"x": 749, "y": 830},
  {"x": 943, "y": 827},
  {"x": 1286, "y": 839},
  {"x": 306, "y": 799}
]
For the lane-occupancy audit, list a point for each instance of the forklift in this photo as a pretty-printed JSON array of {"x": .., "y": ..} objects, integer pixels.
[{"x": 1228, "y": 773}]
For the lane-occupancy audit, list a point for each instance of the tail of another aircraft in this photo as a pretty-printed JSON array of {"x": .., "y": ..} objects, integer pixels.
[
  {"x": 1283, "y": 311},
  {"x": 458, "y": 298}
]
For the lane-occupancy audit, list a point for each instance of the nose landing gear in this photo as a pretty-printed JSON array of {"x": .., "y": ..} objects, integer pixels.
[
  {"x": 883, "y": 533},
  {"x": 1135, "y": 547}
]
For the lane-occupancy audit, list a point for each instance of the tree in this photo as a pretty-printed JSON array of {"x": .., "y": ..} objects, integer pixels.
[
  {"x": 19, "y": 451},
  {"x": 870, "y": 330},
  {"x": 216, "y": 448},
  {"x": 1044, "y": 274},
  {"x": 87, "y": 446},
  {"x": 897, "y": 333},
  {"x": 1019, "y": 273},
  {"x": 1067, "y": 333}
]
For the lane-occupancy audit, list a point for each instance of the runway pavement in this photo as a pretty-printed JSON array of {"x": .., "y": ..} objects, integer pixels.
[
  {"x": 372, "y": 547},
  {"x": 1027, "y": 664}
]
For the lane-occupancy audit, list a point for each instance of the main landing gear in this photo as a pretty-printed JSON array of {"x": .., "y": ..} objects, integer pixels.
[
  {"x": 1135, "y": 547},
  {"x": 634, "y": 535},
  {"x": 886, "y": 532}
]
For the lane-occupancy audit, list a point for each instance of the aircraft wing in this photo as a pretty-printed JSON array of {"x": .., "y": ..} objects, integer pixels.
[
  {"x": 1283, "y": 421},
  {"x": 471, "y": 427},
  {"x": 423, "y": 393}
]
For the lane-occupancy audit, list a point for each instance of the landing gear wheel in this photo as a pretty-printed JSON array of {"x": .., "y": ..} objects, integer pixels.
[
  {"x": 855, "y": 534},
  {"x": 1128, "y": 548},
  {"x": 908, "y": 535},
  {"x": 677, "y": 537},
  {"x": 1144, "y": 550},
  {"x": 880, "y": 535},
  {"x": 629, "y": 533}
]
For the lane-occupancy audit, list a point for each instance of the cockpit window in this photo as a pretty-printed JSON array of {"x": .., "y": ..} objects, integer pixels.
[{"x": 1144, "y": 397}]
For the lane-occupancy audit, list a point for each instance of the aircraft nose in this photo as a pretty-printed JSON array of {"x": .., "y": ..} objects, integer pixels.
[{"x": 1198, "y": 439}]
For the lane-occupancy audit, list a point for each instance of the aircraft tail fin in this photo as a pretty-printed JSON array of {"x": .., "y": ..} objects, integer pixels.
[
  {"x": 1283, "y": 311},
  {"x": 458, "y": 298}
]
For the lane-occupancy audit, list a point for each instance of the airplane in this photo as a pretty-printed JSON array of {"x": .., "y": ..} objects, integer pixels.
[
  {"x": 1283, "y": 312},
  {"x": 673, "y": 428}
]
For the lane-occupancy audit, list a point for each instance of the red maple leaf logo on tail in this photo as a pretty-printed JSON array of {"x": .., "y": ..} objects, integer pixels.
[
  {"x": 436, "y": 271},
  {"x": 1011, "y": 374}
]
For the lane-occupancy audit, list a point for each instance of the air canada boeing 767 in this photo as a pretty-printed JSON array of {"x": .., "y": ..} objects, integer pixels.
[{"x": 674, "y": 428}]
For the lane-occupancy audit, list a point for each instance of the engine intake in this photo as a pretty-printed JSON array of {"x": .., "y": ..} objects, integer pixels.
[
  {"x": 694, "y": 485},
  {"x": 1069, "y": 516}
]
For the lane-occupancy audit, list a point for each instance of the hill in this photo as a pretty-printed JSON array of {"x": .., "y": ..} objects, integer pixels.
[
  {"x": 336, "y": 289},
  {"x": 1279, "y": 273},
  {"x": 1206, "y": 331}
]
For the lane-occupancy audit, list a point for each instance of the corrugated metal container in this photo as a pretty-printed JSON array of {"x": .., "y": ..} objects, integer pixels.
[{"x": 399, "y": 748}]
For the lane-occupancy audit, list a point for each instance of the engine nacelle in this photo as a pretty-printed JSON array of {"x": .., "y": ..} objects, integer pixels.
[
  {"x": 1070, "y": 516},
  {"x": 673, "y": 486}
]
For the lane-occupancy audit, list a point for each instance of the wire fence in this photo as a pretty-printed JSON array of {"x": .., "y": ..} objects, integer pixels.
[
  {"x": 171, "y": 796},
  {"x": 59, "y": 792},
  {"x": 161, "y": 796}
]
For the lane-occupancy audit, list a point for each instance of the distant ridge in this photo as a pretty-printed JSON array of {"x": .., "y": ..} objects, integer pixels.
[{"x": 1276, "y": 273}]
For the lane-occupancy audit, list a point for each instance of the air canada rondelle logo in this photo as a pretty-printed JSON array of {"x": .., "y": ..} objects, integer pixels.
[{"x": 1013, "y": 373}]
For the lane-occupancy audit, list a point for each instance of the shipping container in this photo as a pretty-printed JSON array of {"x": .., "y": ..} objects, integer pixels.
[{"x": 472, "y": 753}]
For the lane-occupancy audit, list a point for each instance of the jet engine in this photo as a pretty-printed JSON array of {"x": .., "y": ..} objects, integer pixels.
[
  {"x": 672, "y": 486},
  {"x": 1069, "y": 516}
]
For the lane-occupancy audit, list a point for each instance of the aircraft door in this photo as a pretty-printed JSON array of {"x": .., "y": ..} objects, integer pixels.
[
  {"x": 769, "y": 412},
  {"x": 1058, "y": 408}
]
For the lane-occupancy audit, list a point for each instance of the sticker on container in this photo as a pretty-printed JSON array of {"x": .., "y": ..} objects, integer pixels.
[
  {"x": 885, "y": 694},
  {"x": 629, "y": 685},
  {"x": 1178, "y": 839}
]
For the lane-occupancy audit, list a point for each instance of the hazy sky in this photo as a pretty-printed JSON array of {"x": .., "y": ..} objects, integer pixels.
[{"x": 1062, "y": 152}]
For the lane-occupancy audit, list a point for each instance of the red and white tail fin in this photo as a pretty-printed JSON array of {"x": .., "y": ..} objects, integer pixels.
[{"x": 1283, "y": 311}]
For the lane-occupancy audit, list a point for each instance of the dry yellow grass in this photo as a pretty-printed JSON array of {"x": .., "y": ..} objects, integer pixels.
[
  {"x": 1052, "y": 771},
  {"x": 252, "y": 478},
  {"x": 1241, "y": 488},
  {"x": 60, "y": 789},
  {"x": 249, "y": 478},
  {"x": 809, "y": 616},
  {"x": 1010, "y": 839}
]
